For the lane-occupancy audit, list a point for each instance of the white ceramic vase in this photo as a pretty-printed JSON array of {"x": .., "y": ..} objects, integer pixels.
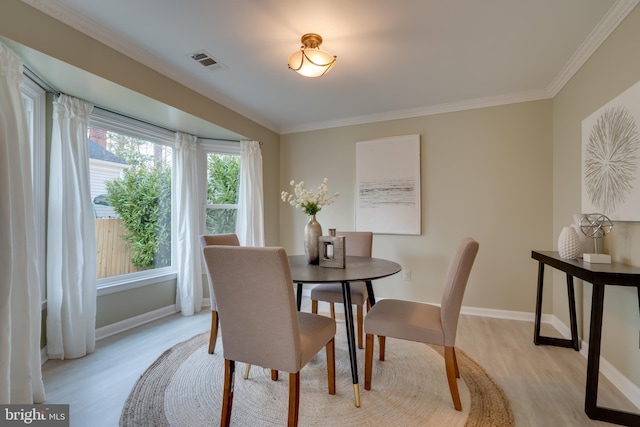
[{"x": 569, "y": 245}]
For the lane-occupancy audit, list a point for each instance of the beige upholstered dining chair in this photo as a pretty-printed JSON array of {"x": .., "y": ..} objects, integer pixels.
[
  {"x": 358, "y": 243},
  {"x": 208, "y": 240},
  {"x": 428, "y": 323},
  {"x": 260, "y": 320}
]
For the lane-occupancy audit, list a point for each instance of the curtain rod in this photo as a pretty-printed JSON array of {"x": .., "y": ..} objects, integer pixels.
[
  {"x": 50, "y": 88},
  {"x": 161, "y": 127},
  {"x": 39, "y": 80}
]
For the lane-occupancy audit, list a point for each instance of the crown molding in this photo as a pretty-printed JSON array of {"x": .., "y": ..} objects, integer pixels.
[
  {"x": 469, "y": 104},
  {"x": 605, "y": 27}
]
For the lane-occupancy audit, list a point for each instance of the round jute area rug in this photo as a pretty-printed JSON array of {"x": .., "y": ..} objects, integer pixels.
[{"x": 183, "y": 387}]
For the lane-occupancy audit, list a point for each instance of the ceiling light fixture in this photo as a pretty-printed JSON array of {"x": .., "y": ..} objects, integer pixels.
[{"x": 310, "y": 61}]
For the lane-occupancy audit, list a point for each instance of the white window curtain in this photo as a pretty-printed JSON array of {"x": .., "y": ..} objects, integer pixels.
[
  {"x": 189, "y": 292},
  {"x": 250, "y": 219},
  {"x": 71, "y": 239},
  {"x": 20, "y": 311}
]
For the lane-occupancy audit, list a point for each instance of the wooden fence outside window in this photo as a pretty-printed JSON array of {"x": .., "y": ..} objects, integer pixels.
[{"x": 113, "y": 252}]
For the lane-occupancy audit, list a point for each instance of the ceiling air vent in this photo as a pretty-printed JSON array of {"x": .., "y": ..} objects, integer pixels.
[{"x": 206, "y": 60}]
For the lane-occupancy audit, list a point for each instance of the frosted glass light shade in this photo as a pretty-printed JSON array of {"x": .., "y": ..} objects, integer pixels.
[{"x": 310, "y": 61}]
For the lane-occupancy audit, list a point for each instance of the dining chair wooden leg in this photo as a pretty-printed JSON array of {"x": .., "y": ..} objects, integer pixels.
[
  {"x": 450, "y": 362},
  {"x": 368, "y": 361},
  {"x": 294, "y": 399},
  {"x": 246, "y": 371},
  {"x": 274, "y": 375},
  {"x": 455, "y": 360},
  {"x": 332, "y": 308},
  {"x": 227, "y": 393},
  {"x": 382, "y": 342},
  {"x": 213, "y": 336},
  {"x": 359, "y": 321},
  {"x": 314, "y": 306},
  {"x": 331, "y": 366}
]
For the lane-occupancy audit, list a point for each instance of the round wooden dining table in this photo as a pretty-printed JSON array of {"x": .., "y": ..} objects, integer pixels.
[{"x": 357, "y": 269}]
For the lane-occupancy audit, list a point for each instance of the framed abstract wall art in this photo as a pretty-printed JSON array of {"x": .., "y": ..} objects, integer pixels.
[
  {"x": 611, "y": 158},
  {"x": 388, "y": 185}
]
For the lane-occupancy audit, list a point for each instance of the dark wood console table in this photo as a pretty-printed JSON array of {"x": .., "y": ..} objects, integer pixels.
[{"x": 599, "y": 275}]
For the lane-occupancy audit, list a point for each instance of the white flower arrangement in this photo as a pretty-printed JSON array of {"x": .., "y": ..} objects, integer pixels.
[{"x": 309, "y": 202}]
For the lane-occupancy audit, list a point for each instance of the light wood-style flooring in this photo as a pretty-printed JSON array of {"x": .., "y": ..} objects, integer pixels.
[{"x": 544, "y": 384}]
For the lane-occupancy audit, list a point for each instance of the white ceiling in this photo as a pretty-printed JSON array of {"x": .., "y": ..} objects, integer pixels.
[{"x": 396, "y": 59}]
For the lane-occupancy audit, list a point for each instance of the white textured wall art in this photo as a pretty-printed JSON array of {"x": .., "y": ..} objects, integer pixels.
[
  {"x": 388, "y": 185},
  {"x": 611, "y": 158}
]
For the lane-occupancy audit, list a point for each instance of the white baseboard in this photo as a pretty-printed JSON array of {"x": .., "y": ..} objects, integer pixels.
[
  {"x": 475, "y": 311},
  {"x": 500, "y": 314},
  {"x": 125, "y": 325},
  {"x": 564, "y": 330}
]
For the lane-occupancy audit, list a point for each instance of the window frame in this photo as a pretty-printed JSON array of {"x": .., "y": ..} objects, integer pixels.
[
  {"x": 114, "y": 122},
  {"x": 36, "y": 116},
  {"x": 205, "y": 147}
]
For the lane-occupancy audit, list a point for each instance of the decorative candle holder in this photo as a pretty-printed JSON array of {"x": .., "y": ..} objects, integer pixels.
[{"x": 332, "y": 250}]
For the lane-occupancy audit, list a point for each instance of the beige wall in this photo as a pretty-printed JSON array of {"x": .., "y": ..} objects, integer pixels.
[
  {"x": 485, "y": 173},
  {"x": 614, "y": 67}
]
